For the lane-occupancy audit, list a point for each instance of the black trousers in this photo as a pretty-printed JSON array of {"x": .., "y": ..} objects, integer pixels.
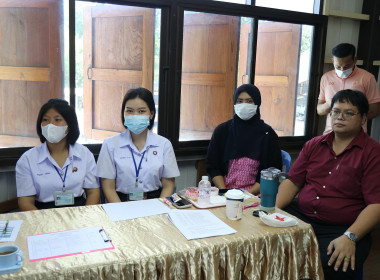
[
  {"x": 78, "y": 201},
  {"x": 325, "y": 233},
  {"x": 148, "y": 195}
]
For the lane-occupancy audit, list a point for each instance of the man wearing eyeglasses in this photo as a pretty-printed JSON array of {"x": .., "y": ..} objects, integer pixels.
[
  {"x": 336, "y": 177},
  {"x": 347, "y": 75}
]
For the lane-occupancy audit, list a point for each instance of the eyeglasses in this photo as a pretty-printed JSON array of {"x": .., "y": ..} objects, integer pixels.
[{"x": 346, "y": 115}]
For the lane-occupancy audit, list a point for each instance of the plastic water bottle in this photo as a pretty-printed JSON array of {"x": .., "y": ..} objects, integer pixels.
[{"x": 204, "y": 191}]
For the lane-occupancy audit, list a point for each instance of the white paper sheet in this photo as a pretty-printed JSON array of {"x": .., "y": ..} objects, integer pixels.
[
  {"x": 134, "y": 209},
  {"x": 66, "y": 243},
  {"x": 194, "y": 224},
  {"x": 12, "y": 230}
]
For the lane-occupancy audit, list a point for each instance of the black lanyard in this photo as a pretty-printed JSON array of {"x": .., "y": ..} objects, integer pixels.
[
  {"x": 134, "y": 161},
  {"x": 60, "y": 176}
]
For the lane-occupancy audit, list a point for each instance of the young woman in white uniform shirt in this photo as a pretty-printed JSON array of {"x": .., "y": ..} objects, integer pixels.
[
  {"x": 137, "y": 163},
  {"x": 59, "y": 172}
]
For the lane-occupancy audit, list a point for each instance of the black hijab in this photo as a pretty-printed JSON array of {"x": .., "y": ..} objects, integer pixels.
[{"x": 248, "y": 138}]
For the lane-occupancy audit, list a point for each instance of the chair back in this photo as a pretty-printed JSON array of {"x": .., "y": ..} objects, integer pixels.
[{"x": 286, "y": 159}]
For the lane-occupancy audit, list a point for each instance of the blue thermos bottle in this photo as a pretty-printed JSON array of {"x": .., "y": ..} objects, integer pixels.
[{"x": 269, "y": 187}]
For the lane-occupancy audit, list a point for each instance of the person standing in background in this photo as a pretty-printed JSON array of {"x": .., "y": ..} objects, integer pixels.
[{"x": 347, "y": 75}]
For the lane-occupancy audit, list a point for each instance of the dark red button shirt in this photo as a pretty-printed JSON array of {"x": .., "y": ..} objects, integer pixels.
[{"x": 335, "y": 189}]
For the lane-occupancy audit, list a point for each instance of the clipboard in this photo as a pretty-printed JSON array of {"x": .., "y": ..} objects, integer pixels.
[{"x": 68, "y": 243}]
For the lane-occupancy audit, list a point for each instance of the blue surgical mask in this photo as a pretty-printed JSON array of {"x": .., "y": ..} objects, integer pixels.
[{"x": 136, "y": 123}]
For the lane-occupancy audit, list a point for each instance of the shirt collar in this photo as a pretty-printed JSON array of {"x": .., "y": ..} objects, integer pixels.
[
  {"x": 151, "y": 141},
  {"x": 45, "y": 154},
  {"x": 358, "y": 141},
  {"x": 74, "y": 152}
]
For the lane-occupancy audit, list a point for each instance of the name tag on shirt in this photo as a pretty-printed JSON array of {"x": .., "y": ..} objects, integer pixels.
[{"x": 64, "y": 198}]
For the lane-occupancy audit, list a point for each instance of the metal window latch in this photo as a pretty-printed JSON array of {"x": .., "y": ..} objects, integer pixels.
[{"x": 88, "y": 72}]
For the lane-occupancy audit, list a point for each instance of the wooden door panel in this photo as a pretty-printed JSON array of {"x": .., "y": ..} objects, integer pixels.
[
  {"x": 191, "y": 118},
  {"x": 118, "y": 56},
  {"x": 276, "y": 73},
  {"x": 195, "y": 43},
  {"x": 208, "y": 70},
  {"x": 21, "y": 101},
  {"x": 31, "y": 44},
  {"x": 30, "y": 63},
  {"x": 124, "y": 48},
  {"x": 222, "y": 105}
]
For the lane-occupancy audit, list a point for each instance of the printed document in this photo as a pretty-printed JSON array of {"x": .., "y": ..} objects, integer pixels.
[
  {"x": 195, "y": 224},
  {"x": 66, "y": 243},
  {"x": 134, "y": 209}
]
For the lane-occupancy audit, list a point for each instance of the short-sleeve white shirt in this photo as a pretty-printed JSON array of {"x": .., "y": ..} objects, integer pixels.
[
  {"x": 116, "y": 162},
  {"x": 36, "y": 175}
]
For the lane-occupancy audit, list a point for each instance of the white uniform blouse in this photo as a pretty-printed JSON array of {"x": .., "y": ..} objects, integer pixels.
[
  {"x": 36, "y": 175},
  {"x": 115, "y": 162}
]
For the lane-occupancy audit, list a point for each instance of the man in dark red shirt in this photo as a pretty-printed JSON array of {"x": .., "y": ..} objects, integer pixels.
[{"x": 337, "y": 178}]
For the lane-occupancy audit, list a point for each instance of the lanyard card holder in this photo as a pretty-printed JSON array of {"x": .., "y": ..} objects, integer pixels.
[
  {"x": 136, "y": 195},
  {"x": 64, "y": 198}
]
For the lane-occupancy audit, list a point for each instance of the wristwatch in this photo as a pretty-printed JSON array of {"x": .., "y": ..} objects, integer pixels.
[{"x": 351, "y": 235}]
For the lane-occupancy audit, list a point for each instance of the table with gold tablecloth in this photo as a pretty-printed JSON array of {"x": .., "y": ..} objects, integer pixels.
[{"x": 153, "y": 248}]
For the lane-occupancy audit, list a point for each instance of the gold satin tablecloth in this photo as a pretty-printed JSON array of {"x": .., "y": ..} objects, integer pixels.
[{"x": 153, "y": 248}]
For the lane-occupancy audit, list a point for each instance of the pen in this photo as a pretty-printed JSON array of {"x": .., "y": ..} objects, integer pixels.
[
  {"x": 251, "y": 205},
  {"x": 6, "y": 226}
]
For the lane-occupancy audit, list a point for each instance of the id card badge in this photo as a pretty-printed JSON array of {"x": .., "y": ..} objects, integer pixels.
[
  {"x": 136, "y": 195},
  {"x": 64, "y": 198}
]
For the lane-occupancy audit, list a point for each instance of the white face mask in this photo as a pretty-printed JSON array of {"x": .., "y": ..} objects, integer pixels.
[
  {"x": 54, "y": 133},
  {"x": 245, "y": 111},
  {"x": 344, "y": 73}
]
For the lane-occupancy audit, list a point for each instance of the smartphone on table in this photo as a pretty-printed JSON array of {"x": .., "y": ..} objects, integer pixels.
[{"x": 179, "y": 201}]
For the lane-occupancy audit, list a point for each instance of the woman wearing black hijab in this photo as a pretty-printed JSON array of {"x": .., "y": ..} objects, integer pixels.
[{"x": 243, "y": 146}]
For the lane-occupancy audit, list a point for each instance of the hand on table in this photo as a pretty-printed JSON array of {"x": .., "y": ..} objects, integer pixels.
[{"x": 342, "y": 250}]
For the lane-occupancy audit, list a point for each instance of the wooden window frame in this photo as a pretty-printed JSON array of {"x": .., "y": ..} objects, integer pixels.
[
  {"x": 290, "y": 143},
  {"x": 170, "y": 67}
]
